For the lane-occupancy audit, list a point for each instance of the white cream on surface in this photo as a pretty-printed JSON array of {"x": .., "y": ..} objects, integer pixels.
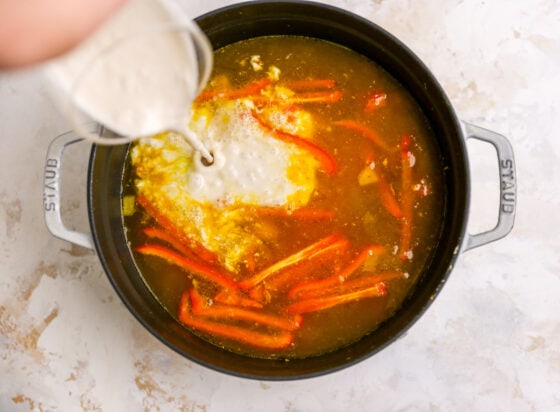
[
  {"x": 208, "y": 204},
  {"x": 250, "y": 167}
]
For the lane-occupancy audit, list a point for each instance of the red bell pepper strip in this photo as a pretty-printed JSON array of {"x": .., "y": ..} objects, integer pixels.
[
  {"x": 337, "y": 278},
  {"x": 157, "y": 233},
  {"x": 229, "y": 312},
  {"x": 250, "y": 89},
  {"x": 351, "y": 285},
  {"x": 332, "y": 255},
  {"x": 315, "y": 97},
  {"x": 327, "y": 162},
  {"x": 306, "y": 253},
  {"x": 407, "y": 159},
  {"x": 388, "y": 198},
  {"x": 236, "y": 297},
  {"x": 274, "y": 341},
  {"x": 329, "y": 96},
  {"x": 364, "y": 131},
  {"x": 203, "y": 271},
  {"x": 316, "y": 304}
]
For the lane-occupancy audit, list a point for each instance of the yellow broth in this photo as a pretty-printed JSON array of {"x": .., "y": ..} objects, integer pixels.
[{"x": 360, "y": 214}]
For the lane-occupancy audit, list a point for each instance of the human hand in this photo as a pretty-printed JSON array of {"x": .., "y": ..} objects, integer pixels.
[{"x": 32, "y": 31}]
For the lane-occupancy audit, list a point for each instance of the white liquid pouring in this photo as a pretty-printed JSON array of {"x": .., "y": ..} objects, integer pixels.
[{"x": 137, "y": 75}]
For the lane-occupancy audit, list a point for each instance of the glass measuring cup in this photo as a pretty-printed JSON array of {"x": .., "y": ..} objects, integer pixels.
[{"x": 137, "y": 76}]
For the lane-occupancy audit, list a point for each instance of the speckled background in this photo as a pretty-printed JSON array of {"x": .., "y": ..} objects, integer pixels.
[{"x": 490, "y": 341}]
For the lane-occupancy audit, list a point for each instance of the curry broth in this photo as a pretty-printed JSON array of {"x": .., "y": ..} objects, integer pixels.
[{"x": 359, "y": 211}]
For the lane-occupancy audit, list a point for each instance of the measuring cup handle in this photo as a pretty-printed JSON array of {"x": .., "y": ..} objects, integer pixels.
[
  {"x": 52, "y": 190},
  {"x": 508, "y": 185}
]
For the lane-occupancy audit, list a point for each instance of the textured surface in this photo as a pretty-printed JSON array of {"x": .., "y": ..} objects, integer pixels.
[{"x": 490, "y": 341}]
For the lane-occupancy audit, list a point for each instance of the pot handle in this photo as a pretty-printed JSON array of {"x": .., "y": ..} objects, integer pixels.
[
  {"x": 508, "y": 184},
  {"x": 51, "y": 192}
]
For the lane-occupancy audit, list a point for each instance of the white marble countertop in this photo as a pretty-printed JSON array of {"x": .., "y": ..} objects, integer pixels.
[{"x": 490, "y": 341}]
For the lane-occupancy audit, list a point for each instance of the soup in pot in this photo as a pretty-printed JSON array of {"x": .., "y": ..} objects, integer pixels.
[{"x": 317, "y": 215}]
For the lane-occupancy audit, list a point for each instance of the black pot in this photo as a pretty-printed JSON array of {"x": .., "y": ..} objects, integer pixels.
[{"x": 261, "y": 18}]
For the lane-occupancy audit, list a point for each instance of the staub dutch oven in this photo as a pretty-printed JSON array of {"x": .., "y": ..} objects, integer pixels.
[{"x": 262, "y": 18}]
